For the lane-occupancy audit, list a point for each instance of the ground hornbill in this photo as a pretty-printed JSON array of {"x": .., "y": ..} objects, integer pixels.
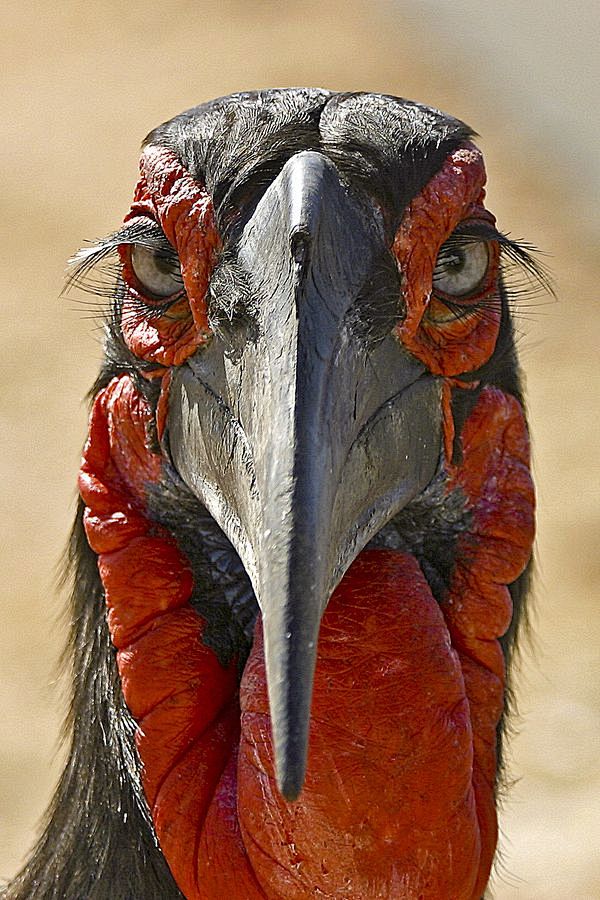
[{"x": 306, "y": 506}]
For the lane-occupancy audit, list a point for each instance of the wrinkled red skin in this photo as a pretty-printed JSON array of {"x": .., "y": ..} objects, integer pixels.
[
  {"x": 167, "y": 193},
  {"x": 399, "y": 796},
  {"x": 447, "y": 346}
]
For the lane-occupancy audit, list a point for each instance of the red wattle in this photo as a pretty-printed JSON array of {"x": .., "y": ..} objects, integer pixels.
[{"x": 388, "y": 808}]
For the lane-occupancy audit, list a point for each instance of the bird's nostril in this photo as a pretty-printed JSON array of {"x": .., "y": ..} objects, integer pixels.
[{"x": 300, "y": 245}]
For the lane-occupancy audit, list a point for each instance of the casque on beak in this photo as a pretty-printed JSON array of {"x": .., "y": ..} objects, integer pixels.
[{"x": 300, "y": 432}]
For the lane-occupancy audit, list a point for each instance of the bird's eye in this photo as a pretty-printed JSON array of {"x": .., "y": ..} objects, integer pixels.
[
  {"x": 158, "y": 271},
  {"x": 461, "y": 268}
]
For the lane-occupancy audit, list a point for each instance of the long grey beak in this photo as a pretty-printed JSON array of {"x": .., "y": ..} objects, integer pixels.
[{"x": 301, "y": 431}]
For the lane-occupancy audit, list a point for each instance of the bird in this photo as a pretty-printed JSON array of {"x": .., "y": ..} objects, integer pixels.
[{"x": 303, "y": 543}]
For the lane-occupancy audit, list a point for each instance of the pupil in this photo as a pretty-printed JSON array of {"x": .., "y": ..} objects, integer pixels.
[
  {"x": 456, "y": 262},
  {"x": 164, "y": 263}
]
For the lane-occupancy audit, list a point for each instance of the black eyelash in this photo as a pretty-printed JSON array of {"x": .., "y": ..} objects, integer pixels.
[
  {"x": 96, "y": 270},
  {"x": 518, "y": 253},
  {"x": 523, "y": 276}
]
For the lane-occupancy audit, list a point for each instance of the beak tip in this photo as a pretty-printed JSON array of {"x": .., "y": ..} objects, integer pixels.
[
  {"x": 290, "y": 768},
  {"x": 290, "y": 785}
]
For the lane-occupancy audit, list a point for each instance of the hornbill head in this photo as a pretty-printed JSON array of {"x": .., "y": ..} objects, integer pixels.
[
  {"x": 310, "y": 410},
  {"x": 310, "y": 296}
]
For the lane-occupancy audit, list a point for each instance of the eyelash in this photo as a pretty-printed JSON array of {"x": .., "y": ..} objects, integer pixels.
[
  {"x": 97, "y": 270},
  {"x": 522, "y": 275}
]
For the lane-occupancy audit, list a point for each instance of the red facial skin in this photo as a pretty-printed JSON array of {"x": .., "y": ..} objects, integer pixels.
[
  {"x": 167, "y": 193},
  {"x": 399, "y": 796},
  {"x": 447, "y": 346}
]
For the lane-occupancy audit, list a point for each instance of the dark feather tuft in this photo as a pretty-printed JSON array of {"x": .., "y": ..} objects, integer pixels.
[{"x": 99, "y": 841}]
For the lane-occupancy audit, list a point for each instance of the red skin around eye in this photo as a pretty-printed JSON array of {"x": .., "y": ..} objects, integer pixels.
[
  {"x": 167, "y": 193},
  {"x": 456, "y": 193}
]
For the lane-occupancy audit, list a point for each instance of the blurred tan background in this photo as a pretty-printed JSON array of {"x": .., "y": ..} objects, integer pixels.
[{"x": 82, "y": 83}]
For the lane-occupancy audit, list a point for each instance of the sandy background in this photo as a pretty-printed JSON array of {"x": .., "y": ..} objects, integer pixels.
[{"x": 81, "y": 85}]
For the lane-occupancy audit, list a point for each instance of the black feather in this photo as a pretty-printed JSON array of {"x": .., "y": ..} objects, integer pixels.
[
  {"x": 236, "y": 145},
  {"x": 99, "y": 841}
]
